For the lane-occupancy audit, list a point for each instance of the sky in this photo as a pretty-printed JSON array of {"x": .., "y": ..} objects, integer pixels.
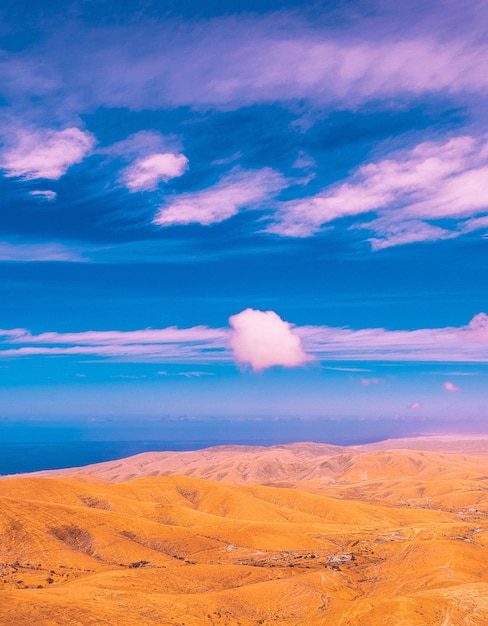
[{"x": 244, "y": 212}]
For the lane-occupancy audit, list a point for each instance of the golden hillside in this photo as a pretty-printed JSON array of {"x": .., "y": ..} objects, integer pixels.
[{"x": 365, "y": 536}]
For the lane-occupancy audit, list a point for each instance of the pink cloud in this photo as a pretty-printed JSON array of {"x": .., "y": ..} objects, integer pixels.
[
  {"x": 197, "y": 344},
  {"x": 451, "y": 387},
  {"x": 239, "y": 61},
  {"x": 369, "y": 381},
  {"x": 146, "y": 173},
  {"x": 46, "y": 153},
  {"x": 450, "y": 344},
  {"x": 415, "y": 406},
  {"x": 44, "y": 195},
  {"x": 239, "y": 190},
  {"x": 28, "y": 252},
  {"x": 477, "y": 329},
  {"x": 431, "y": 181},
  {"x": 262, "y": 339}
]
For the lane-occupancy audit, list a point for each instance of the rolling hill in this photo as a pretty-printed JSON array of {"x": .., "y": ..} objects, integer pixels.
[{"x": 298, "y": 534}]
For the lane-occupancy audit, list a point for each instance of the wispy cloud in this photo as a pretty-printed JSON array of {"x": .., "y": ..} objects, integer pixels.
[
  {"x": 241, "y": 189},
  {"x": 449, "y": 344},
  {"x": 45, "y": 153},
  {"x": 29, "y": 252},
  {"x": 236, "y": 61},
  {"x": 44, "y": 195},
  {"x": 260, "y": 339},
  {"x": 432, "y": 181},
  {"x": 189, "y": 345}
]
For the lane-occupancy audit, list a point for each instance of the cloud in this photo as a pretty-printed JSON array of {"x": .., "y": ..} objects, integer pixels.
[
  {"x": 415, "y": 406},
  {"x": 191, "y": 374},
  {"x": 146, "y": 173},
  {"x": 30, "y": 252},
  {"x": 477, "y": 329},
  {"x": 346, "y": 369},
  {"x": 240, "y": 60},
  {"x": 46, "y": 153},
  {"x": 241, "y": 189},
  {"x": 185, "y": 345},
  {"x": 451, "y": 387},
  {"x": 449, "y": 344},
  {"x": 44, "y": 195},
  {"x": 262, "y": 339},
  {"x": 432, "y": 181},
  {"x": 369, "y": 381}
]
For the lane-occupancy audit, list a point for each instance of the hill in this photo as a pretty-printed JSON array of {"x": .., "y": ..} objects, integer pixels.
[{"x": 364, "y": 536}]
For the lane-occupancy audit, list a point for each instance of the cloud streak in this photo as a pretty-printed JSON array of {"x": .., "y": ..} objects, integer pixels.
[
  {"x": 34, "y": 252},
  {"x": 237, "y": 61},
  {"x": 260, "y": 339},
  {"x": 240, "y": 189},
  {"x": 434, "y": 180}
]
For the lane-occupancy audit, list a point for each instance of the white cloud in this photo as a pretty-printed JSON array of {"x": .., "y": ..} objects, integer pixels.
[
  {"x": 262, "y": 339},
  {"x": 44, "y": 195},
  {"x": 241, "y": 189},
  {"x": 29, "y": 252},
  {"x": 182, "y": 345},
  {"x": 46, "y": 153},
  {"x": 366, "y": 382},
  {"x": 415, "y": 406},
  {"x": 451, "y": 387},
  {"x": 146, "y": 173},
  {"x": 477, "y": 329},
  {"x": 449, "y": 344},
  {"x": 434, "y": 180},
  {"x": 237, "y": 61},
  {"x": 259, "y": 339}
]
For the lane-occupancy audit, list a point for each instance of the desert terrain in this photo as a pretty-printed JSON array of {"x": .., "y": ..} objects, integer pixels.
[{"x": 387, "y": 534}]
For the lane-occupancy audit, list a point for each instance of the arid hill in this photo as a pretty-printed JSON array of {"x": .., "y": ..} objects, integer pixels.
[
  {"x": 375, "y": 535},
  {"x": 292, "y": 464}
]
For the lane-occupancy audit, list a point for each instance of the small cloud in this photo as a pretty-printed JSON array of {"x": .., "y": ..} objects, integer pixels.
[
  {"x": 346, "y": 369},
  {"x": 451, "y": 387},
  {"x": 46, "y": 153},
  {"x": 304, "y": 161},
  {"x": 44, "y": 195},
  {"x": 369, "y": 381},
  {"x": 262, "y": 339},
  {"x": 129, "y": 376},
  {"x": 146, "y": 173},
  {"x": 194, "y": 374},
  {"x": 415, "y": 405}
]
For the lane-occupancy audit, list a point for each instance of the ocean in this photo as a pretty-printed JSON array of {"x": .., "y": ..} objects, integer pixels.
[{"x": 34, "y": 446}]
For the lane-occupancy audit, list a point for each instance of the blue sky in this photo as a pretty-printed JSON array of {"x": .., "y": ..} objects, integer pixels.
[{"x": 267, "y": 210}]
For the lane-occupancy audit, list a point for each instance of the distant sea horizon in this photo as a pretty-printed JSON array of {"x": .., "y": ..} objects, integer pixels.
[{"x": 30, "y": 446}]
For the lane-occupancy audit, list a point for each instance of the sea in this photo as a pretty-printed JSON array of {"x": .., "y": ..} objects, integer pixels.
[{"x": 35, "y": 446}]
